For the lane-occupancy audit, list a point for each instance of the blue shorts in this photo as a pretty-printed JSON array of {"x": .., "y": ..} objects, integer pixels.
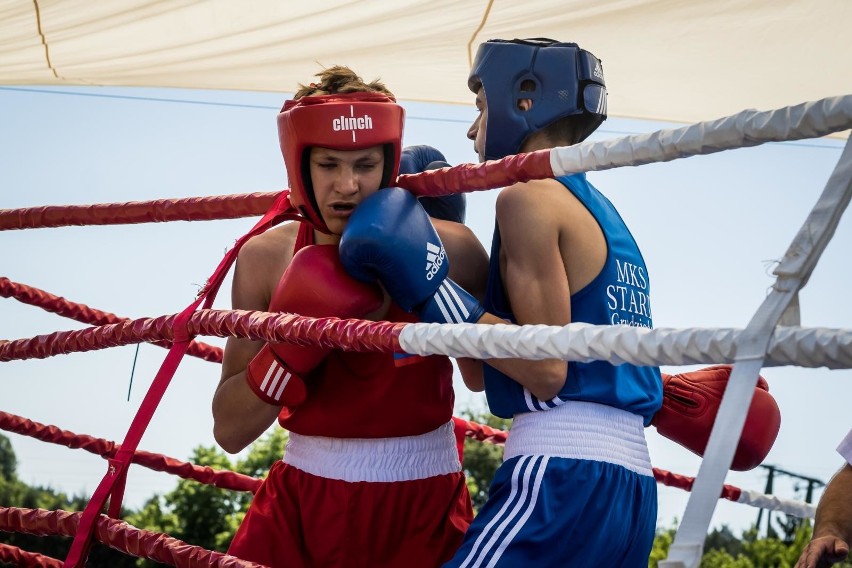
[{"x": 552, "y": 511}]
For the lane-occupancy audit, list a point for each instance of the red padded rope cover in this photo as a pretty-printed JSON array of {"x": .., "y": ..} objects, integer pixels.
[
  {"x": 355, "y": 335},
  {"x": 478, "y": 177},
  {"x": 107, "y": 449},
  {"x": 159, "y": 210},
  {"x": 85, "y": 314},
  {"x": 18, "y": 557},
  {"x": 120, "y": 536}
]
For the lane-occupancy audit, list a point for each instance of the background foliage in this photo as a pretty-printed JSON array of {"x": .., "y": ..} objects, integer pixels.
[{"x": 208, "y": 517}]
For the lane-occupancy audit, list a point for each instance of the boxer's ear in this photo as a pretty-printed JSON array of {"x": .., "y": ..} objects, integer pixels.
[{"x": 526, "y": 104}]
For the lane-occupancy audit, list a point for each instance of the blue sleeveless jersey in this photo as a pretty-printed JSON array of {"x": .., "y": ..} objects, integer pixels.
[{"x": 619, "y": 295}]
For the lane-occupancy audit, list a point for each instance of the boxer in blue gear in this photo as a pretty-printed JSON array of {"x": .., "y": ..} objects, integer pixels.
[{"x": 576, "y": 486}]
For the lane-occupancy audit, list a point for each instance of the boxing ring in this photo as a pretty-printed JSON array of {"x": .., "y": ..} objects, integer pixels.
[{"x": 773, "y": 337}]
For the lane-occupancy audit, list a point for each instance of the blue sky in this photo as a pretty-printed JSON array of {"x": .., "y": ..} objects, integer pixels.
[{"x": 711, "y": 229}]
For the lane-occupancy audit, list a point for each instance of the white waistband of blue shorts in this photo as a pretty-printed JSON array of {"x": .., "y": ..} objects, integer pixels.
[
  {"x": 583, "y": 431},
  {"x": 376, "y": 459}
]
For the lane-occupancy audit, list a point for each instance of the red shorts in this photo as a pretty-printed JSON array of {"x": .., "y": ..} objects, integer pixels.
[{"x": 301, "y": 519}]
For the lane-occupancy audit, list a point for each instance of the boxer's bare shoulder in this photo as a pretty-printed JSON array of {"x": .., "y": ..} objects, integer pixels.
[{"x": 260, "y": 264}]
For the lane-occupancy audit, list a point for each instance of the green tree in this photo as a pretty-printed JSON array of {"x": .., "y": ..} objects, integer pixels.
[
  {"x": 261, "y": 455},
  {"x": 15, "y": 493},
  {"x": 723, "y": 550},
  {"x": 481, "y": 460},
  {"x": 203, "y": 515},
  {"x": 723, "y": 540},
  {"x": 716, "y": 558},
  {"x": 662, "y": 542},
  {"x": 154, "y": 516},
  {"x": 202, "y": 512},
  {"x": 8, "y": 461},
  {"x": 713, "y": 557}
]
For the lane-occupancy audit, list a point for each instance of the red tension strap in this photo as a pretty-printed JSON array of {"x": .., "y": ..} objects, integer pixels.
[{"x": 113, "y": 482}]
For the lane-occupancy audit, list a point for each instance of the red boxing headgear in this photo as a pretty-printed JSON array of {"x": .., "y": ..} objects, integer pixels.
[{"x": 345, "y": 121}]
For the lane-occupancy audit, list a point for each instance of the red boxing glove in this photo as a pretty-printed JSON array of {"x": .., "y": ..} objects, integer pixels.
[
  {"x": 315, "y": 285},
  {"x": 690, "y": 404}
]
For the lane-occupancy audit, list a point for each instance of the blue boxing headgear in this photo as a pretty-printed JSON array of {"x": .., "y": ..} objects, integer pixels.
[{"x": 566, "y": 81}]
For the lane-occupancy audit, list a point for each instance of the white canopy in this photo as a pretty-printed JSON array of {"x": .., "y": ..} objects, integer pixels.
[{"x": 675, "y": 61}]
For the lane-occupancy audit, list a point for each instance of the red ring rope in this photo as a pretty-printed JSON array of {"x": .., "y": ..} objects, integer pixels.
[
  {"x": 160, "y": 210},
  {"x": 120, "y": 536},
  {"x": 354, "y": 335},
  {"x": 85, "y": 314}
]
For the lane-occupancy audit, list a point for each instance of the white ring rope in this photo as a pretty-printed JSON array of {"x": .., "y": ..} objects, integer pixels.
[
  {"x": 772, "y": 503},
  {"x": 749, "y": 349},
  {"x": 799, "y": 346},
  {"x": 752, "y": 348},
  {"x": 747, "y": 128}
]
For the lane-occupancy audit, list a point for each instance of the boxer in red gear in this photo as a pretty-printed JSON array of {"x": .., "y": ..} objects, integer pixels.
[
  {"x": 371, "y": 474},
  {"x": 315, "y": 285}
]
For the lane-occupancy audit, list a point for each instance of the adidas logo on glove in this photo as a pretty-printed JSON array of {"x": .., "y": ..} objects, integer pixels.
[{"x": 434, "y": 259}]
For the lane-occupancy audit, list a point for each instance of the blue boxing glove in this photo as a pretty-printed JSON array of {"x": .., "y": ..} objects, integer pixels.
[
  {"x": 390, "y": 238},
  {"x": 416, "y": 159}
]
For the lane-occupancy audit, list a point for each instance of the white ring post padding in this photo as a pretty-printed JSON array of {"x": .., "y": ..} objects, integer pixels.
[
  {"x": 793, "y": 273},
  {"x": 744, "y": 129},
  {"x": 799, "y": 346},
  {"x": 771, "y": 502}
]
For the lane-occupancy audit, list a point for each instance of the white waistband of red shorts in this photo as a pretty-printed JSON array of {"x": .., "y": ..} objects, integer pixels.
[
  {"x": 376, "y": 459},
  {"x": 584, "y": 431}
]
